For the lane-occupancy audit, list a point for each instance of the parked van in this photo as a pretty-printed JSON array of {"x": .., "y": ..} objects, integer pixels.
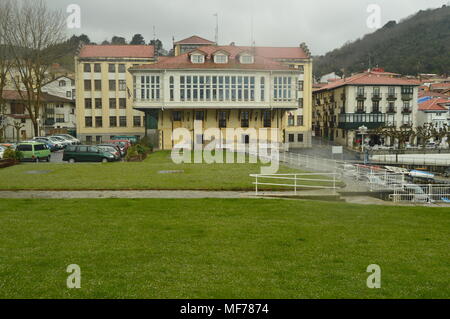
[
  {"x": 86, "y": 153},
  {"x": 34, "y": 151}
]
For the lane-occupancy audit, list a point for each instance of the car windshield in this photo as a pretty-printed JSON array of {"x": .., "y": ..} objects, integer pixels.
[{"x": 56, "y": 138}]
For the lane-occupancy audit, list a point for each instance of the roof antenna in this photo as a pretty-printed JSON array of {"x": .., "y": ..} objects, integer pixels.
[
  {"x": 217, "y": 28},
  {"x": 154, "y": 41}
]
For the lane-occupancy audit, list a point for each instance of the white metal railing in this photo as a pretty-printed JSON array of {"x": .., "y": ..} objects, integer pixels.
[
  {"x": 415, "y": 193},
  {"x": 297, "y": 181},
  {"x": 426, "y": 159}
]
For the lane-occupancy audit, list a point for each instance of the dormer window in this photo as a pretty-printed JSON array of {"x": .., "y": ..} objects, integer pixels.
[
  {"x": 246, "y": 59},
  {"x": 197, "y": 58},
  {"x": 220, "y": 58}
]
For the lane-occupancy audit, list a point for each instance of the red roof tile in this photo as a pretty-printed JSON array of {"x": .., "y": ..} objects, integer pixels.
[
  {"x": 369, "y": 78},
  {"x": 440, "y": 86},
  {"x": 194, "y": 40},
  {"x": 434, "y": 105},
  {"x": 264, "y": 58},
  {"x": 117, "y": 51},
  {"x": 433, "y": 94}
]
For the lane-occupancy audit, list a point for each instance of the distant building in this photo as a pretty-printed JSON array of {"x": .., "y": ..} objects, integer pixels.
[
  {"x": 104, "y": 91},
  {"x": 62, "y": 86},
  {"x": 373, "y": 99},
  {"x": 56, "y": 112},
  {"x": 434, "y": 111}
]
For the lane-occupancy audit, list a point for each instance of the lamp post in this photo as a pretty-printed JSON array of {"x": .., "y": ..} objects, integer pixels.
[{"x": 363, "y": 132}]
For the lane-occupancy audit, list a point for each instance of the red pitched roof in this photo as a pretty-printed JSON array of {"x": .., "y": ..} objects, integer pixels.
[
  {"x": 434, "y": 105},
  {"x": 440, "y": 86},
  {"x": 369, "y": 78},
  {"x": 117, "y": 51},
  {"x": 194, "y": 40},
  {"x": 13, "y": 95},
  {"x": 183, "y": 61},
  {"x": 264, "y": 58},
  {"x": 433, "y": 94}
]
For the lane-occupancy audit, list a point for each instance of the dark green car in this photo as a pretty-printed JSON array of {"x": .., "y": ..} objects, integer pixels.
[{"x": 86, "y": 153}]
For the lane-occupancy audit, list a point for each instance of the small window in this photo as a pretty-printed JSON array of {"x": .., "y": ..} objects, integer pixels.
[
  {"x": 97, "y": 68},
  {"x": 246, "y": 59},
  {"x": 98, "y": 103},
  {"x": 111, "y": 68},
  {"x": 199, "y": 116},
  {"x": 291, "y": 120},
  {"x": 112, "y": 103},
  {"x": 122, "y": 103},
  {"x": 62, "y": 83},
  {"x": 223, "y": 119},
  {"x": 300, "y": 120},
  {"x": 112, "y": 121},
  {"x": 88, "y": 121},
  {"x": 220, "y": 58},
  {"x": 300, "y": 138},
  {"x": 98, "y": 121},
  {"x": 112, "y": 85},
  {"x": 197, "y": 58},
  {"x": 69, "y": 94},
  {"x": 122, "y": 121},
  {"x": 176, "y": 116},
  {"x": 87, "y": 67},
  {"x": 89, "y": 141},
  {"x": 88, "y": 103},
  {"x": 136, "y": 121},
  {"x": 122, "y": 68},
  {"x": 122, "y": 85},
  {"x": 98, "y": 85},
  {"x": 291, "y": 138},
  {"x": 87, "y": 85}
]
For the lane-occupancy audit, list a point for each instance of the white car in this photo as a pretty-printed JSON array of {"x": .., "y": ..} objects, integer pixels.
[
  {"x": 68, "y": 137},
  {"x": 2, "y": 150},
  {"x": 60, "y": 139}
]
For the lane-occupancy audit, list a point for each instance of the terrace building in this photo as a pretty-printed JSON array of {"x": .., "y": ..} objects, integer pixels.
[
  {"x": 434, "y": 111},
  {"x": 373, "y": 99},
  {"x": 227, "y": 87},
  {"x": 104, "y": 101}
]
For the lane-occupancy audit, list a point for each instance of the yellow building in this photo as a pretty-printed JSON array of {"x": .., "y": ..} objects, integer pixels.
[
  {"x": 104, "y": 91},
  {"x": 227, "y": 87}
]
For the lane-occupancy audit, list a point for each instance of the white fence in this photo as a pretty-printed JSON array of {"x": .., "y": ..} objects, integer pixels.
[
  {"x": 415, "y": 193},
  {"x": 297, "y": 181}
]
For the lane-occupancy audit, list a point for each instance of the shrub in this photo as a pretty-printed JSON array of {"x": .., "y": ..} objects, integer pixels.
[
  {"x": 12, "y": 155},
  {"x": 146, "y": 142}
]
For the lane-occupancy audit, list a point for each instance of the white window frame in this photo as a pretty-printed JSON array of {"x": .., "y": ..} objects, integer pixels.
[
  {"x": 243, "y": 58},
  {"x": 197, "y": 58},
  {"x": 217, "y": 56}
]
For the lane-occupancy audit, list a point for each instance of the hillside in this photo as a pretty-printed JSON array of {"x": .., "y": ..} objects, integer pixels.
[{"x": 418, "y": 44}]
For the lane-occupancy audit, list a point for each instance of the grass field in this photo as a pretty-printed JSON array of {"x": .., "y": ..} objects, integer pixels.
[
  {"x": 142, "y": 175},
  {"x": 221, "y": 249}
]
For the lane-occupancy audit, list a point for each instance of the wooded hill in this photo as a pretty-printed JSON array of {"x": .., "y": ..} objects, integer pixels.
[{"x": 417, "y": 44}]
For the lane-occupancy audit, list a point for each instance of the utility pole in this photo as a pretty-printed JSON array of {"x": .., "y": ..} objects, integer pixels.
[{"x": 217, "y": 29}]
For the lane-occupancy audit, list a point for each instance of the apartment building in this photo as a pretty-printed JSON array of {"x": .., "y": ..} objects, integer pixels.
[
  {"x": 372, "y": 99},
  {"x": 104, "y": 91},
  {"x": 434, "y": 111},
  {"x": 227, "y": 87},
  {"x": 17, "y": 122}
]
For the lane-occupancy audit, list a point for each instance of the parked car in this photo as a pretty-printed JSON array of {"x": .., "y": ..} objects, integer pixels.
[
  {"x": 52, "y": 146},
  {"x": 123, "y": 144},
  {"x": 446, "y": 172},
  {"x": 116, "y": 147},
  {"x": 59, "y": 145},
  {"x": 110, "y": 149},
  {"x": 34, "y": 151},
  {"x": 68, "y": 137},
  {"x": 86, "y": 153},
  {"x": 63, "y": 140}
]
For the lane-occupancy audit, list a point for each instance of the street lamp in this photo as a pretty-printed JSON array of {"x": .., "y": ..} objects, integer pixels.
[{"x": 363, "y": 131}]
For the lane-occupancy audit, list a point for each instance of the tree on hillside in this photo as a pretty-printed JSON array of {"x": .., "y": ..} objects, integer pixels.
[
  {"x": 118, "y": 40},
  {"x": 34, "y": 35},
  {"x": 137, "y": 39}
]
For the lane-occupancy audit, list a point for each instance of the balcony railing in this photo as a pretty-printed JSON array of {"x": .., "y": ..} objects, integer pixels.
[
  {"x": 354, "y": 121},
  {"x": 407, "y": 96},
  {"x": 391, "y": 96},
  {"x": 391, "y": 124},
  {"x": 376, "y": 110},
  {"x": 406, "y": 110},
  {"x": 391, "y": 110},
  {"x": 361, "y": 96},
  {"x": 376, "y": 96},
  {"x": 360, "y": 111}
]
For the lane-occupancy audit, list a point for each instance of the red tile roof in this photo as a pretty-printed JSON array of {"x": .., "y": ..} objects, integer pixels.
[
  {"x": 369, "y": 78},
  {"x": 434, "y": 105},
  {"x": 264, "y": 59},
  {"x": 117, "y": 51},
  {"x": 194, "y": 40},
  {"x": 433, "y": 94},
  {"x": 440, "y": 86},
  {"x": 13, "y": 95}
]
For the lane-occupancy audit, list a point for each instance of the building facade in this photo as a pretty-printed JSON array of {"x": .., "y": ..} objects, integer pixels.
[
  {"x": 16, "y": 121},
  {"x": 372, "y": 99},
  {"x": 104, "y": 87},
  {"x": 434, "y": 111},
  {"x": 227, "y": 87}
]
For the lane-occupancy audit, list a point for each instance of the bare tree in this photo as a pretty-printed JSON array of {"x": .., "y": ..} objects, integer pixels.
[
  {"x": 424, "y": 133},
  {"x": 34, "y": 35},
  {"x": 5, "y": 59}
]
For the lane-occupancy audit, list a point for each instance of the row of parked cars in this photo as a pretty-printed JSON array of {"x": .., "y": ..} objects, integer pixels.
[{"x": 40, "y": 149}]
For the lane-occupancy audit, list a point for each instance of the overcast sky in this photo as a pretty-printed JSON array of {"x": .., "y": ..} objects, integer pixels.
[{"x": 323, "y": 24}]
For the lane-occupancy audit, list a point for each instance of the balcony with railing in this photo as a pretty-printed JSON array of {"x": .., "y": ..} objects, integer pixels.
[
  {"x": 391, "y": 110},
  {"x": 376, "y": 110},
  {"x": 391, "y": 96},
  {"x": 361, "y": 96},
  {"x": 354, "y": 121},
  {"x": 407, "y": 96},
  {"x": 407, "y": 110}
]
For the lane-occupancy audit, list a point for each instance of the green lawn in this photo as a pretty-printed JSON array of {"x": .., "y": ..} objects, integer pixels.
[
  {"x": 143, "y": 175},
  {"x": 221, "y": 249}
]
